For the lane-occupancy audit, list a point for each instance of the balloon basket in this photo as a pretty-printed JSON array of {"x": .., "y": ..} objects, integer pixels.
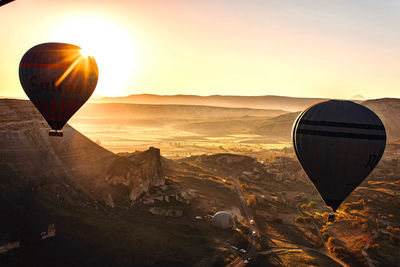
[{"x": 56, "y": 133}]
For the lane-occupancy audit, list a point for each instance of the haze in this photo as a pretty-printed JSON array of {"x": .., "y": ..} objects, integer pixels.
[{"x": 333, "y": 49}]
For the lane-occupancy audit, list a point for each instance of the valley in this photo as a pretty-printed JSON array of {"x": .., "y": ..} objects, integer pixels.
[{"x": 140, "y": 208}]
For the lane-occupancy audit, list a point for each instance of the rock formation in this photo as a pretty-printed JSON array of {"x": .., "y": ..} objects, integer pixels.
[
  {"x": 138, "y": 172},
  {"x": 71, "y": 169},
  {"x": 165, "y": 212}
]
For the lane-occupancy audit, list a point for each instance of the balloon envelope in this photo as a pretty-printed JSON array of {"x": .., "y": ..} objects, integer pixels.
[
  {"x": 338, "y": 143},
  {"x": 58, "y": 80},
  {"x": 3, "y": 2}
]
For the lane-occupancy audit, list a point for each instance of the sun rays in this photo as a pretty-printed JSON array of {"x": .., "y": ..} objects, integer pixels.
[{"x": 111, "y": 47}]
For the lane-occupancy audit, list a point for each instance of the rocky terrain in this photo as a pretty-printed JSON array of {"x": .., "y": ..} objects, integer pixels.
[
  {"x": 71, "y": 168},
  {"x": 69, "y": 202}
]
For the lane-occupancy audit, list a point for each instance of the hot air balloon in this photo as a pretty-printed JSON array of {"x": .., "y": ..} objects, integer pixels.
[
  {"x": 3, "y": 2},
  {"x": 338, "y": 143},
  {"x": 224, "y": 220},
  {"x": 58, "y": 79}
]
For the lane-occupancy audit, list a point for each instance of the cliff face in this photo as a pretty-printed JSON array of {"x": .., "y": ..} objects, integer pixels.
[
  {"x": 138, "y": 172},
  {"x": 70, "y": 169}
]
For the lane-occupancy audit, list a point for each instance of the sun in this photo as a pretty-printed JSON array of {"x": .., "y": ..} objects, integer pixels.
[
  {"x": 111, "y": 46},
  {"x": 85, "y": 52}
]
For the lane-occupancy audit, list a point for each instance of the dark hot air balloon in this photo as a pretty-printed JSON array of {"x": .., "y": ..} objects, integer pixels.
[
  {"x": 3, "y": 2},
  {"x": 58, "y": 80},
  {"x": 338, "y": 143}
]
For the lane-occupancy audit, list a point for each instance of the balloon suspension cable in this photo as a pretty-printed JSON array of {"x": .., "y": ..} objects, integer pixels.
[{"x": 56, "y": 133}]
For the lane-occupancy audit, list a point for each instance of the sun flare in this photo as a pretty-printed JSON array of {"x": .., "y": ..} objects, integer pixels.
[
  {"x": 85, "y": 52},
  {"x": 112, "y": 48}
]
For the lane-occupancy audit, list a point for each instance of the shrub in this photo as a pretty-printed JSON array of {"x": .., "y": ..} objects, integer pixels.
[
  {"x": 339, "y": 251},
  {"x": 394, "y": 239},
  {"x": 301, "y": 219},
  {"x": 308, "y": 219},
  {"x": 251, "y": 201},
  {"x": 317, "y": 217},
  {"x": 331, "y": 240},
  {"x": 376, "y": 246},
  {"x": 325, "y": 235},
  {"x": 346, "y": 209},
  {"x": 299, "y": 196},
  {"x": 364, "y": 226},
  {"x": 325, "y": 215},
  {"x": 312, "y": 204}
]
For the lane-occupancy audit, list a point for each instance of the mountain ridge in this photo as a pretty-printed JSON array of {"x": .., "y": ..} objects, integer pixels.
[{"x": 259, "y": 102}]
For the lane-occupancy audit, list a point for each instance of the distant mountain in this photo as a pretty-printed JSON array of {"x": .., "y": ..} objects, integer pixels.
[
  {"x": 278, "y": 127},
  {"x": 388, "y": 109},
  {"x": 153, "y": 111},
  {"x": 257, "y": 102},
  {"x": 358, "y": 97}
]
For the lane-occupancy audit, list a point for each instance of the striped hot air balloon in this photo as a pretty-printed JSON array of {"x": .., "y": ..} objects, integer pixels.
[
  {"x": 338, "y": 143},
  {"x": 58, "y": 80}
]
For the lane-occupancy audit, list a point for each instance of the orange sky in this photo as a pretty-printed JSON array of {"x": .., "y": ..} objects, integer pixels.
[{"x": 333, "y": 49}]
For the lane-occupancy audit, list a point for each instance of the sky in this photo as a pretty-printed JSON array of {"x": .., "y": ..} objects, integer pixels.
[{"x": 303, "y": 48}]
